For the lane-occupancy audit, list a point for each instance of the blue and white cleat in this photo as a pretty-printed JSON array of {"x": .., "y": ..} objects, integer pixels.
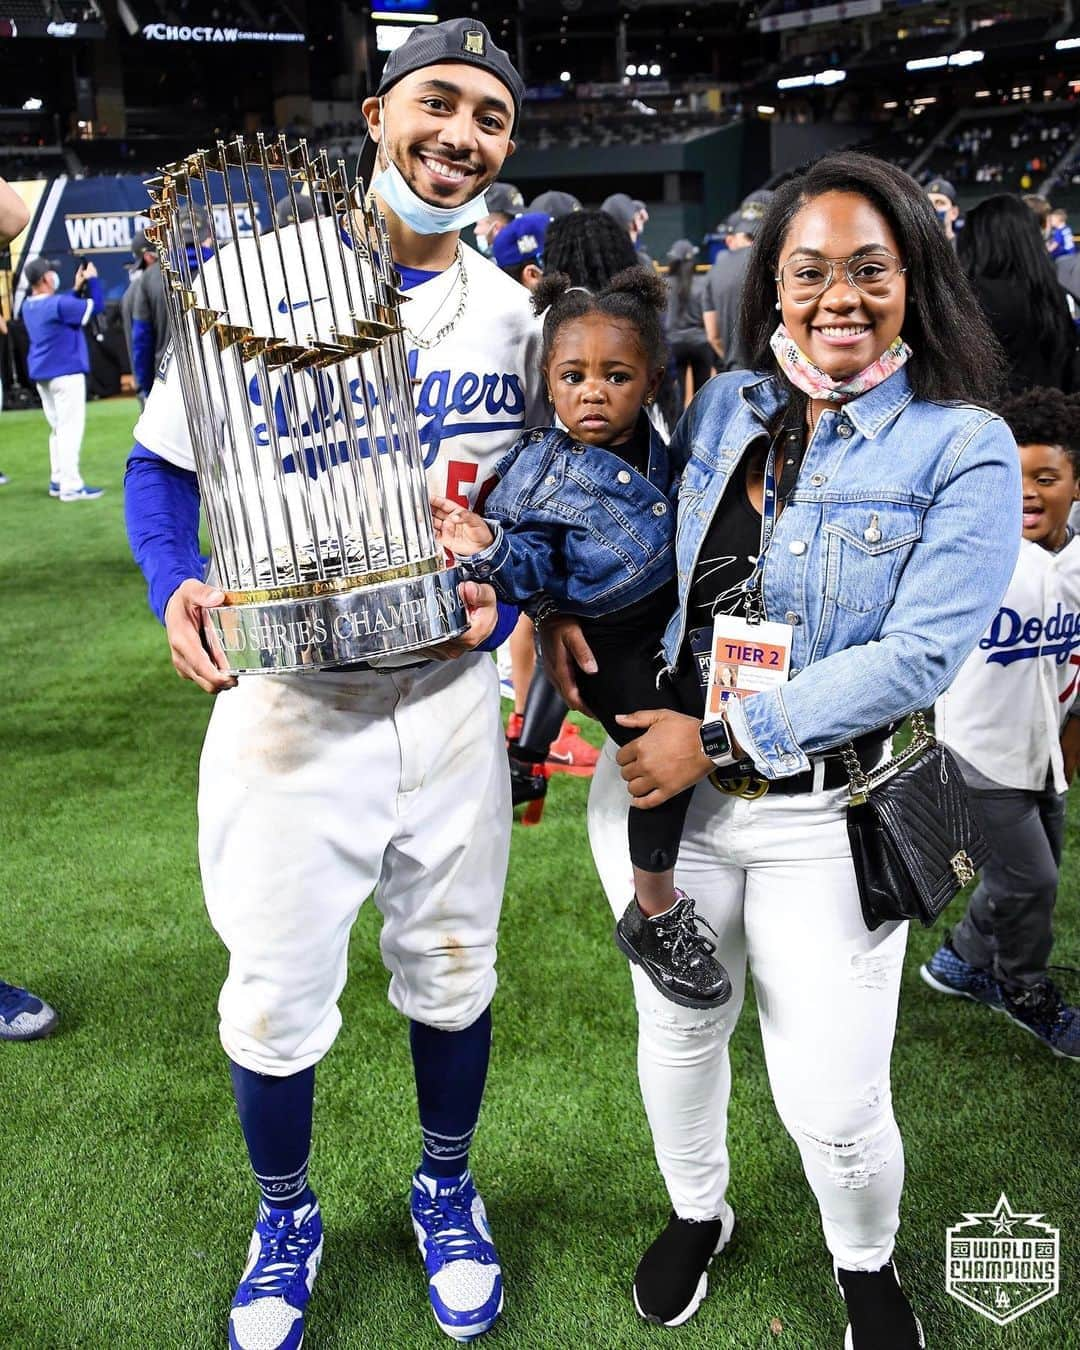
[
  {"x": 23, "y": 1017},
  {"x": 283, "y": 1260},
  {"x": 949, "y": 973},
  {"x": 464, "y": 1276}
]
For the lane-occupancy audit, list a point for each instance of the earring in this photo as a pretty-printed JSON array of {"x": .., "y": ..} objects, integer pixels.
[
  {"x": 777, "y": 305},
  {"x": 649, "y": 400}
]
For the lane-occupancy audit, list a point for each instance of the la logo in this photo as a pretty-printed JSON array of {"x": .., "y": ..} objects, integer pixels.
[{"x": 473, "y": 42}]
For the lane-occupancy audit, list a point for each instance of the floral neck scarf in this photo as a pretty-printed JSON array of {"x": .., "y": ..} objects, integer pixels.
[{"x": 813, "y": 381}]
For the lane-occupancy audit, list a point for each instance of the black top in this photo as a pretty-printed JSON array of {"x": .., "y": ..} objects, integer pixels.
[
  {"x": 733, "y": 539},
  {"x": 635, "y": 451}
]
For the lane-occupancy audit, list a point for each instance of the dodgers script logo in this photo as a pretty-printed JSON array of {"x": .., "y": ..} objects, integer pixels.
[
  {"x": 1011, "y": 637},
  {"x": 1000, "y": 1273},
  {"x": 310, "y": 407}
]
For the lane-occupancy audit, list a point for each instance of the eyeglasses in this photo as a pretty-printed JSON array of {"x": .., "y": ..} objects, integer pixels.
[{"x": 804, "y": 279}]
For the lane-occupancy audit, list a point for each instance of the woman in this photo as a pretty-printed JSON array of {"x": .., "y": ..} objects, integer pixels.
[
  {"x": 897, "y": 540},
  {"x": 1001, "y": 249},
  {"x": 690, "y": 349}
]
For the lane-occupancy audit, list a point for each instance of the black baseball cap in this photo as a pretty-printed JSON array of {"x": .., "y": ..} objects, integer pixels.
[
  {"x": 941, "y": 187},
  {"x": 555, "y": 204},
  {"x": 504, "y": 199},
  {"x": 621, "y": 207},
  {"x": 464, "y": 40},
  {"x": 36, "y": 268}
]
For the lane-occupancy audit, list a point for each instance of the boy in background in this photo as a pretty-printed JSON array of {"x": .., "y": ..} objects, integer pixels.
[{"x": 1012, "y": 719}]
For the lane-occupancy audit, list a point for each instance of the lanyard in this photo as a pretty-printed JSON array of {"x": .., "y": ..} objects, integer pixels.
[{"x": 752, "y": 606}]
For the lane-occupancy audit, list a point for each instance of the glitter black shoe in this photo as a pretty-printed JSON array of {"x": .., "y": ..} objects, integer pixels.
[
  {"x": 675, "y": 955},
  {"x": 879, "y": 1315},
  {"x": 672, "y": 1277}
]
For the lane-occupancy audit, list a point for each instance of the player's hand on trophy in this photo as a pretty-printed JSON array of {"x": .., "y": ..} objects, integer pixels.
[
  {"x": 483, "y": 611},
  {"x": 188, "y": 638},
  {"x": 565, "y": 652},
  {"x": 461, "y": 531}
]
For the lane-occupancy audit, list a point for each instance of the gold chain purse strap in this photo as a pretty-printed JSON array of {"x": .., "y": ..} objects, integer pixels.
[{"x": 861, "y": 783}]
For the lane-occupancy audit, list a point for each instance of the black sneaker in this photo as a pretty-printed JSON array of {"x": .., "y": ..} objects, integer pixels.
[
  {"x": 1044, "y": 1013},
  {"x": 674, "y": 954},
  {"x": 879, "y": 1315},
  {"x": 672, "y": 1277}
]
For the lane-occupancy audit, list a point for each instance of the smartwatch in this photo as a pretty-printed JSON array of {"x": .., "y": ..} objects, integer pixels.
[{"x": 716, "y": 743}]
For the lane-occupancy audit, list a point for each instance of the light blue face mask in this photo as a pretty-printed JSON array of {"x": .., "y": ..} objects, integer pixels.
[{"x": 418, "y": 214}]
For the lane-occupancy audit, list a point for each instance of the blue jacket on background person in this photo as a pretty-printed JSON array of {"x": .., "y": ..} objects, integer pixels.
[
  {"x": 54, "y": 326},
  {"x": 889, "y": 560},
  {"x": 576, "y": 524}
]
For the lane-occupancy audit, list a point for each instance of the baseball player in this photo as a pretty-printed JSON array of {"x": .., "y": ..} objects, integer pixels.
[
  {"x": 22, "y": 1016},
  {"x": 317, "y": 790},
  {"x": 59, "y": 363},
  {"x": 146, "y": 321}
]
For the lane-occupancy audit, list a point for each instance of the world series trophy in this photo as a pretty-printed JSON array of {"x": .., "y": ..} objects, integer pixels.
[{"x": 299, "y": 404}]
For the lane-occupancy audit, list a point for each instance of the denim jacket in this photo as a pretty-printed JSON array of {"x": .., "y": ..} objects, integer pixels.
[
  {"x": 889, "y": 560},
  {"x": 576, "y": 528}
]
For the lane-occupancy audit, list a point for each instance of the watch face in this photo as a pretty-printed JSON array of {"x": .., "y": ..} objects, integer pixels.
[{"x": 715, "y": 740}]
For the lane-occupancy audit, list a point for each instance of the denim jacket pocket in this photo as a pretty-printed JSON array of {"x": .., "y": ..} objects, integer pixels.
[{"x": 867, "y": 544}]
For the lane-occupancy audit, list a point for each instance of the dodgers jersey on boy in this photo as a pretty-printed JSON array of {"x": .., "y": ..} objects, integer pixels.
[
  {"x": 473, "y": 395},
  {"x": 1004, "y": 712}
]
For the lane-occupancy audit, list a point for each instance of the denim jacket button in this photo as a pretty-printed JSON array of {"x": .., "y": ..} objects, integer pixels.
[
  {"x": 844, "y": 429},
  {"x": 659, "y": 509},
  {"x": 817, "y": 479},
  {"x": 538, "y": 436},
  {"x": 578, "y": 448},
  {"x": 623, "y": 476},
  {"x": 797, "y": 546},
  {"x": 549, "y": 481},
  {"x": 792, "y": 618}
]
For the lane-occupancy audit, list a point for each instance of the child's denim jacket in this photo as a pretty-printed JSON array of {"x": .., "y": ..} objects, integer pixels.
[{"x": 576, "y": 528}]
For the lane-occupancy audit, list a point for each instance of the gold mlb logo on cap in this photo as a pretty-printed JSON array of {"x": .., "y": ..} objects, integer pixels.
[{"x": 473, "y": 42}]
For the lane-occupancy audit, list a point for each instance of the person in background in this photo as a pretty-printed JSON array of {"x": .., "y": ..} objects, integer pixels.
[
  {"x": 519, "y": 248},
  {"x": 504, "y": 201},
  {"x": 1059, "y": 241},
  {"x": 1012, "y": 719},
  {"x": 629, "y": 215},
  {"x": 724, "y": 283},
  {"x": 690, "y": 349},
  {"x": 151, "y": 326},
  {"x": 14, "y": 218},
  {"x": 1002, "y": 251},
  {"x": 942, "y": 196},
  {"x": 555, "y": 204},
  {"x": 288, "y": 212},
  {"x": 59, "y": 363},
  {"x": 145, "y": 258},
  {"x": 23, "y": 1017}
]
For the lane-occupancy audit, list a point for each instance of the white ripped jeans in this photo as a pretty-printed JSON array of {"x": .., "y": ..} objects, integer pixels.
[{"x": 774, "y": 878}]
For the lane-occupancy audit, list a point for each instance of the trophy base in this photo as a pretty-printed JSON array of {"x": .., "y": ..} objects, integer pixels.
[{"x": 324, "y": 632}]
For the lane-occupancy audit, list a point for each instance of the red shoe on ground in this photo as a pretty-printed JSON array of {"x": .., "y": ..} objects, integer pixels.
[{"x": 572, "y": 753}]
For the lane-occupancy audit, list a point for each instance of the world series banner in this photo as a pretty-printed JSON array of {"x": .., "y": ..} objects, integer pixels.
[{"x": 97, "y": 218}]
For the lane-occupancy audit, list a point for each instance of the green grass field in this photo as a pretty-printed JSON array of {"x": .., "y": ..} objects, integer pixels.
[{"x": 124, "y": 1189}]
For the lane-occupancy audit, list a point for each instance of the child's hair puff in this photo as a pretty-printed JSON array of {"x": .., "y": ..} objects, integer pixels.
[{"x": 636, "y": 294}]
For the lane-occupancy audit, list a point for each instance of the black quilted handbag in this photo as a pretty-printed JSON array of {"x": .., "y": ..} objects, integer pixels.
[{"x": 913, "y": 838}]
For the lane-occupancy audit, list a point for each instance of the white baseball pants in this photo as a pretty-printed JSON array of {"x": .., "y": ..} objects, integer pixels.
[
  {"x": 63, "y": 400},
  {"x": 317, "y": 790},
  {"x": 775, "y": 879}
]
